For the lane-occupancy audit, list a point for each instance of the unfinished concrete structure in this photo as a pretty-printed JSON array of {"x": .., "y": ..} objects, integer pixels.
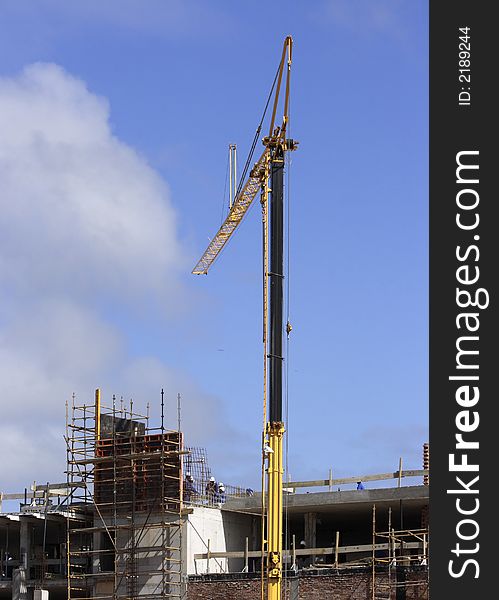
[
  {"x": 219, "y": 547},
  {"x": 120, "y": 528},
  {"x": 124, "y": 540}
]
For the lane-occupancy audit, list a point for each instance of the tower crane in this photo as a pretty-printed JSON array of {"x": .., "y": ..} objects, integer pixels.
[{"x": 267, "y": 176}]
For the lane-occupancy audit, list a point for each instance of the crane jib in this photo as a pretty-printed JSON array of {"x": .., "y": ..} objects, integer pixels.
[{"x": 236, "y": 214}]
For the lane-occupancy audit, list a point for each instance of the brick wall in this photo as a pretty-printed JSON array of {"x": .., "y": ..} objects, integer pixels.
[
  {"x": 341, "y": 584},
  {"x": 224, "y": 590}
]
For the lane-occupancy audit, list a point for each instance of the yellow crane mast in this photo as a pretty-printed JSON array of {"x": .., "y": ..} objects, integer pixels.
[{"x": 267, "y": 176}]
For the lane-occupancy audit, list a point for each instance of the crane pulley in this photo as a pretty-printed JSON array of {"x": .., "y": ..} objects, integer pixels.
[{"x": 267, "y": 175}]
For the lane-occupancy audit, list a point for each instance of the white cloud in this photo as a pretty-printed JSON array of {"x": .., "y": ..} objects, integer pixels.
[
  {"x": 80, "y": 209},
  {"x": 39, "y": 456},
  {"x": 50, "y": 349},
  {"x": 144, "y": 378},
  {"x": 86, "y": 225}
]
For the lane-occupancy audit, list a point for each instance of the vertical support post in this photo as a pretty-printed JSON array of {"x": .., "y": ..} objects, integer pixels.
[
  {"x": 46, "y": 506},
  {"x": 97, "y": 415},
  {"x": 373, "y": 588},
  {"x": 19, "y": 588},
  {"x": 208, "y": 557},
  {"x": 246, "y": 559},
  {"x": 400, "y": 472},
  {"x": 25, "y": 545},
  {"x": 336, "y": 545},
  {"x": 392, "y": 561},
  {"x": 69, "y": 478},
  {"x": 97, "y": 541},
  {"x": 391, "y": 555},
  {"x": 178, "y": 412},
  {"x": 330, "y": 480},
  {"x": 311, "y": 531},
  {"x": 426, "y": 463}
]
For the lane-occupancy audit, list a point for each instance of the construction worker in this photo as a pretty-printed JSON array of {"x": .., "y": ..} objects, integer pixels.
[
  {"x": 189, "y": 488},
  {"x": 360, "y": 485},
  {"x": 211, "y": 490},
  {"x": 220, "y": 493}
]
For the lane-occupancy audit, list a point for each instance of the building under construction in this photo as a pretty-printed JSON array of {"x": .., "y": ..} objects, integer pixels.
[
  {"x": 136, "y": 518},
  {"x": 121, "y": 526}
]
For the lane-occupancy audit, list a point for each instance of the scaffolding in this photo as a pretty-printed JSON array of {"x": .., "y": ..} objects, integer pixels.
[
  {"x": 195, "y": 462},
  {"x": 404, "y": 548},
  {"x": 126, "y": 490}
]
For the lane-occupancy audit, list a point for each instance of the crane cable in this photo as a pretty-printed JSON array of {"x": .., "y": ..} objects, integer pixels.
[
  {"x": 256, "y": 136},
  {"x": 247, "y": 164}
]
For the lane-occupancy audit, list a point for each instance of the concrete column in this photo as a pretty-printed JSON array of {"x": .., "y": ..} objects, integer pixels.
[
  {"x": 310, "y": 529},
  {"x": 185, "y": 544},
  {"x": 255, "y": 540},
  {"x": 294, "y": 588},
  {"x": 96, "y": 557},
  {"x": 19, "y": 589},
  {"x": 25, "y": 545}
]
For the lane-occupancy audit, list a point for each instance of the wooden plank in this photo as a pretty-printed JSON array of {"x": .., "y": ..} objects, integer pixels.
[
  {"x": 344, "y": 480},
  {"x": 20, "y": 496},
  {"x": 308, "y": 551}
]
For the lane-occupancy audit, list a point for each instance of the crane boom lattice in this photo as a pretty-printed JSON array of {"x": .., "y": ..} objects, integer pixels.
[{"x": 236, "y": 214}]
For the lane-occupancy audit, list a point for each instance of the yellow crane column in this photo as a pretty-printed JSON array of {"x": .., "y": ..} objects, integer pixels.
[
  {"x": 270, "y": 163},
  {"x": 275, "y": 432}
]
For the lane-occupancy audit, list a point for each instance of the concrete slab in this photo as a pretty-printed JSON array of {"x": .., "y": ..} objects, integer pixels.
[{"x": 344, "y": 502}]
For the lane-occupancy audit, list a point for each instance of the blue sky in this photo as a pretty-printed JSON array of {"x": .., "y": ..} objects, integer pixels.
[{"x": 117, "y": 120}]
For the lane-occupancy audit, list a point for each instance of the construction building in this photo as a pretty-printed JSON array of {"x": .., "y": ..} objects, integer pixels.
[
  {"x": 135, "y": 518},
  {"x": 122, "y": 525}
]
